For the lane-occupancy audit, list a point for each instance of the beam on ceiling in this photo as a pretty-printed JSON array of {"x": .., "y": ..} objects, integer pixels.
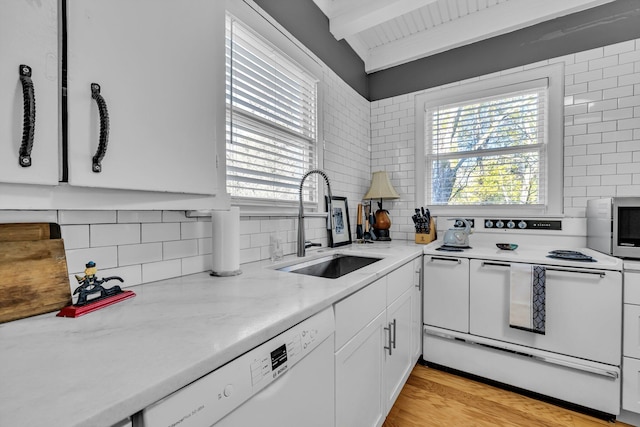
[
  {"x": 508, "y": 16},
  {"x": 350, "y": 17}
]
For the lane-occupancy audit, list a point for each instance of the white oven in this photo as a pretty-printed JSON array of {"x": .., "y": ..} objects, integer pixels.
[
  {"x": 468, "y": 318},
  {"x": 583, "y": 310}
]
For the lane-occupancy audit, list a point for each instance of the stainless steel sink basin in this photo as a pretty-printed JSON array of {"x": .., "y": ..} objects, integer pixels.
[{"x": 331, "y": 266}]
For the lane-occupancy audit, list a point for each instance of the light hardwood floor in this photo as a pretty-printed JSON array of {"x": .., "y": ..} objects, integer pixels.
[{"x": 435, "y": 398}]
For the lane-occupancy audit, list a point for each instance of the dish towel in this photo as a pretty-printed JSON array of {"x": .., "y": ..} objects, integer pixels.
[{"x": 528, "y": 299}]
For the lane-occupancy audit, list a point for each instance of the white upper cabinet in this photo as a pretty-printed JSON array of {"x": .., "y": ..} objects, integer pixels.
[
  {"x": 29, "y": 37},
  {"x": 160, "y": 68}
]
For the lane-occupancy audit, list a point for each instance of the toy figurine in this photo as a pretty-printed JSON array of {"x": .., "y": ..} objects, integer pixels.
[{"x": 89, "y": 285}]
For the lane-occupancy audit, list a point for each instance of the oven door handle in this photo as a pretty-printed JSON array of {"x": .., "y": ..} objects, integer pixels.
[
  {"x": 494, "y": 264},
  {"x": 567, "y": 270},
  {"x": 435, "y": 258},
  {"x": 521, "y": 351}
]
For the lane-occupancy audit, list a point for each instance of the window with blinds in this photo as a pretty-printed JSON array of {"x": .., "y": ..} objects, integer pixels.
[
  {"x": 488, "y": 150},
  {"x": 271, "y": 120}
]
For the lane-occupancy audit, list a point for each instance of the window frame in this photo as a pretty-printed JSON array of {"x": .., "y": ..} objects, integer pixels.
[
  {"x": 490, "y": 86},
  {"x": 258, "y": 21}
]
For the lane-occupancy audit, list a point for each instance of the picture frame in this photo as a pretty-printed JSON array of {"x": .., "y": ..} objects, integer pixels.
[{"x": 340, "y": 234}]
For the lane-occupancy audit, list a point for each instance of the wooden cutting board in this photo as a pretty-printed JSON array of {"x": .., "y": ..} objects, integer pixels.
[{"x": 33, "y": 271}]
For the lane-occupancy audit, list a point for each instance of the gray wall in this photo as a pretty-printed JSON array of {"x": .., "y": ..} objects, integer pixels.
[
  {"x": 306, "y": 22},
  {"x": 600, "y": 26}
]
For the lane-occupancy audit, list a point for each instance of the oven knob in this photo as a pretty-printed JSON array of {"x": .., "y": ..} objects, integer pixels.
[
  {"x": 488, "y": 223},
  {"x": 499, "y": 224},
  {"x": 522, "y": 224},
  {"x": 228, "y": 389},
  {"x": 511, "y": 224}
]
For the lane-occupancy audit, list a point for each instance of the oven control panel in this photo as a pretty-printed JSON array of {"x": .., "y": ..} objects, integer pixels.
[{"x": 523, "y": 224}]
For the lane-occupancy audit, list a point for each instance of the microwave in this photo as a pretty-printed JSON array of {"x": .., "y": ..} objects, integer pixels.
[{"x": 613, "y": 226}]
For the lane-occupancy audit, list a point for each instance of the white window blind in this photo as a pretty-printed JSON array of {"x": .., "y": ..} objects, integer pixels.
[
  {"x": 271, "y": 120},
  {"x": 488, "y": 151}
]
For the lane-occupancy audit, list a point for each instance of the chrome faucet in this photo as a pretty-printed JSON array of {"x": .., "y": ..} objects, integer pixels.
[{"x": 301, "y": 239}]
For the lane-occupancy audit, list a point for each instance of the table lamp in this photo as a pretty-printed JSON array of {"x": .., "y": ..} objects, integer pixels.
[{"x": 381, "y": 188}]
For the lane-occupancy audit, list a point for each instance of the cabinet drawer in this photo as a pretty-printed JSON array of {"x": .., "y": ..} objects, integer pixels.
[
  {"x": 398, "y": 281},
  {"x": 630, "y": 384},
  {"x": 631, "y": 287},
  {"x": 356, "y": 311},
  {"x": 631, "y": 342}
]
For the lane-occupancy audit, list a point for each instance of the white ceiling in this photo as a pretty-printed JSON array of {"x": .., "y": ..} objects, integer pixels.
[{"x": 385, "y": 33}]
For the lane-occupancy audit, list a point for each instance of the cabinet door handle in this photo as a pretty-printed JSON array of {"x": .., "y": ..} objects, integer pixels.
[
  {"x": 417, "y": 285},
  {"x": 104, "y": 127},
  {"x": 29, "y": 116},
  {"x": 389, "y": 347},
  {"x": 435, "y": 258},
  {"x": 393, "y": 343}
]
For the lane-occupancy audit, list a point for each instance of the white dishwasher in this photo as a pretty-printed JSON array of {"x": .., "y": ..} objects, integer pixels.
[{"x": 287, "y": 381}]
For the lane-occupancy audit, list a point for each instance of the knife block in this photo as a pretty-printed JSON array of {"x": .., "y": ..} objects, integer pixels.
[{"x": 425, "y": 238}]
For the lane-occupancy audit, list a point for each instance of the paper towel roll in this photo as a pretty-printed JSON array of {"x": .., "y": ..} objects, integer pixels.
[{"x": 225, "y": 248}]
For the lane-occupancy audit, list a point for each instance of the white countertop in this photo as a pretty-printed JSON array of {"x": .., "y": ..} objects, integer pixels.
[{"x": 100, "y": 368}]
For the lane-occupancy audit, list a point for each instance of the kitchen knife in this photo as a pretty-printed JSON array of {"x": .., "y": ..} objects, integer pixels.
[
  {"x": 359, "y": 223},
  {"x": 367, "y": 235}
]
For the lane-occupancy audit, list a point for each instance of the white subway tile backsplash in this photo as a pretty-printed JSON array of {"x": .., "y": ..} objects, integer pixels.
[
  {"x": 75, "y": 236},
  {"x": 604, "y": 62},
  {"x": 155, "y": 271},
  {"x": 11, "y": 216},
  {"x": 587, "y": 118},
  {"x": 629, "y": 123},
  {"x": 623, "y": 135},
  {"x": 602, "y": 148},
  {"x": 104, "y": 257},
  {"x": 618, "y": 179},
  {"x": 196, "y": 264},
  {"x": 114, "y": 234},
  {"x": 601, "y": 170},
  {"x": 588, "y": 76},
  {"x": 632, "y": 168},
  {"x": 195, "y": 230},
  {"x": 602, "y": 127},
  {"x": 204, "y": 246},
  {"x": 176, "y": 216},
  {"x": 179, "y": 249},
  {"x": 617, "y": 92},
  {"x": 608, "y": 83},
  {"x": 160, "y": 232},
  {"x": 86, "y": 217},
  {"x": 581, "y": 139},
  {"x": 139, "y": 254},
  {"x": 614, "y": 49},
  {"x": 139, "y": 216}
]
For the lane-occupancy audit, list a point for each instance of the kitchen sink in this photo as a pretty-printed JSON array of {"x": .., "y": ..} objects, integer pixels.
[{"x": 331, "y": 266}]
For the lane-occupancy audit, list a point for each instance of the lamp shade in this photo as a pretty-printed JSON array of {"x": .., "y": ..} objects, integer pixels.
[{"x": 381, "y": 187}]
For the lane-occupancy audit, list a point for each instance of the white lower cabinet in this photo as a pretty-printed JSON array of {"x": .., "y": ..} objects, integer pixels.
[
  {"x": 359, "y": 381},
  {"x": 398, "y": 355},
  {"x": 416, "y": 308},
  {"x": 631, "y": 343},
  {"x": 376, "y": 339}
]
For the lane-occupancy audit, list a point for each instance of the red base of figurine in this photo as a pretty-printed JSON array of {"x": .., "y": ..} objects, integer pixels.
[{"x": 74, "y": 311}]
